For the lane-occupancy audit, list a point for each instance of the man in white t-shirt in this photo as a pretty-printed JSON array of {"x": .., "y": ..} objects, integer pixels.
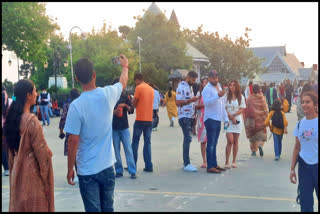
[
  {"x": 185, "y": 101},
  {"x": 89, "y": 123}
]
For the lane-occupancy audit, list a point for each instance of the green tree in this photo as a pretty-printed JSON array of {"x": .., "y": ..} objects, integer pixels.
[
  {"x": 55, "y": 54},
  {"x": 26, "y": 28},
  {"x": 100, "y": 46},
  {"x": 163, "y": 45},
  {"x": 124, "y": 30},
  {"x": 231, "y": 59}
]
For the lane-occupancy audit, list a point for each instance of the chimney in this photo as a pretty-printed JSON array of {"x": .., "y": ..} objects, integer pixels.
[
  {"x": 315, "y": 67},
  {"x": 302, "y": 63}
]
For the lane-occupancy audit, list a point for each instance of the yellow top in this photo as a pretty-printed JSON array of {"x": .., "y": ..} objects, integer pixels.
[
  {"x": 276, "y": 130},
  {"x": 285, "y": 105}
]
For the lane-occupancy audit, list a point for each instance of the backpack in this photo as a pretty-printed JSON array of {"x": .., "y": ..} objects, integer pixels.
[{"x": 277, "y": 120}]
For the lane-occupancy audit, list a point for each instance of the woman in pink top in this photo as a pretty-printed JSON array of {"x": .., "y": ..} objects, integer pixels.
[{"x": 202, "y": 134}]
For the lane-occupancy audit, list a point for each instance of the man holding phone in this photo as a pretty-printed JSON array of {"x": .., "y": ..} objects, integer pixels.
[
  {"x": 214, "y": 113},
  {"x": 89, "y": 123}
]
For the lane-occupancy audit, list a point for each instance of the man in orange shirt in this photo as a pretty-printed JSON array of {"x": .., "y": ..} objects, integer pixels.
[{"x": 143, "y": 102}]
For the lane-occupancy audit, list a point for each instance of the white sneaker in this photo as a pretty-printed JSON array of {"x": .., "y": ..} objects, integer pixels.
[
  {"x": 6, "y": 173},
  {"x": 76, "y": 180},
  {"x": 190, "y": 168}
]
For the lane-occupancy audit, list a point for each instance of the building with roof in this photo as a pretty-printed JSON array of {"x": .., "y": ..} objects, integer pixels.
[
  {"x": 281, "y": 65},
  {"x": 277, "y": 68},
  {"x": 198, "y": 58}
]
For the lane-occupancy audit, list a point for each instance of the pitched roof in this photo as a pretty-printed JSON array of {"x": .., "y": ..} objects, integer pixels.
[
  {"x": 196, "y": 54},
  {"x": 268, "y": 53},
  {"x": 293, "y": 62},
  {"x": 154, "y": 9},
  {"x": 173, "y": 18},
  {"x": 304, "y": 73},
  {"x": 179, "y": 73}
]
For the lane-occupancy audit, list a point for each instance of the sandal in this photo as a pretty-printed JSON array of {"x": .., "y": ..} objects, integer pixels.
[
  {"x": 204, "y": 165},
  {"x": 233, "y": 165},
  {"x": 227, "y": 166}
]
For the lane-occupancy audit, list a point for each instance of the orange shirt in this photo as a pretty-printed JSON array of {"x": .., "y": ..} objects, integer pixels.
[{"x": 145, "y": 95}]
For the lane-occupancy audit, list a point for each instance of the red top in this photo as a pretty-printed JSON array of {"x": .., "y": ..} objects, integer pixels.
[
  {"x": 250, "y": 87},
  {"x": 55, "y": 104}
]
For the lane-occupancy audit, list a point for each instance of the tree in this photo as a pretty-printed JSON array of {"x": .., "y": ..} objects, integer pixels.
[
  {"x": 163, "y": 46},
  {"x": 26, "y": 28},
  {"x": 231, "y": 59},
  {"x": 100, "y": 47},
  {"x": 124, "y": 30},
  {"x": 55, "y": 53}
]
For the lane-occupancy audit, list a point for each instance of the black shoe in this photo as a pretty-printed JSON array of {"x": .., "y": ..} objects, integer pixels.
[
  {"x": 133, "y": 176},
  {"x": 126, "y": 168},
  {"x": 260, "y": 150},
  {"x": 148, "y": 170},
  {"x": 119, "y": 174},
  {"x": 43, "y": 124},
  {"x": 48, "y": 124}
]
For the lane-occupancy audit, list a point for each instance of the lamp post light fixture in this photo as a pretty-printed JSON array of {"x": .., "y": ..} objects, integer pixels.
[
  {"x": 139, "y": 40},
  {"x": 70, "y": 46},
  {"x": 14, "y": 56},
  {"x": 65, "y": 64}
]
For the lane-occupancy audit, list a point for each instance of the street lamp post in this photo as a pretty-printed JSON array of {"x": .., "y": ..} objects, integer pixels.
[
  {"x": 10, "y": 62},
  {"x": 139, "y": 40},
  {"x": 71, "y": 52}
]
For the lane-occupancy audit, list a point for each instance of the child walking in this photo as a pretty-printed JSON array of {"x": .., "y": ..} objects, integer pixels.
[{"x": 278, "y": 126}]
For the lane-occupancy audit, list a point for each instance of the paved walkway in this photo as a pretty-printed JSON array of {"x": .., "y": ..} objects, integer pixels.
[{"x": 258, "y": 184}]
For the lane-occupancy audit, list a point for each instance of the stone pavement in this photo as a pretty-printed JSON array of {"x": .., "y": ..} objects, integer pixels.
[{"x": 258, "y": 184}]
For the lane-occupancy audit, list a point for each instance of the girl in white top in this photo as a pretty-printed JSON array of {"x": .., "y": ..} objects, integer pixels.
[
  {"x": 306, "y": 152},
  {"x": 234, "y": 104}
]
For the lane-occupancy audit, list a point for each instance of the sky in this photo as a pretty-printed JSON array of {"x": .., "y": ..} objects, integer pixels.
[{"x": 294, "y": 25}]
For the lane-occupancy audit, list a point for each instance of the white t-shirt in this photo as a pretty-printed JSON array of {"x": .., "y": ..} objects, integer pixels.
[
  {"x": 184, "y": 92},
  {"x": 308, "y": 137},
  {"x": 90, "y": 117}
]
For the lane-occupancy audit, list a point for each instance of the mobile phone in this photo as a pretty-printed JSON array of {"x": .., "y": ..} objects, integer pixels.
[{"x": 116, "y": 60}]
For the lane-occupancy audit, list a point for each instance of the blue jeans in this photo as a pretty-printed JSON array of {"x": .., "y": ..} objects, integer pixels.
[
  {"x": 186, "y": 125},
  {"x": 50, "y": 111},
  {"x": 124, "y": 137},
  {"x": 308, "y": 182},
  {"x": 45, "y": 109},
  {"x": 155, "y": 118},
  {"x": 97, "y": 190},
  {"x": 213, "y": 128},
  {"x": 277, "y": 140},
  {"x": 146, "y": 128}
]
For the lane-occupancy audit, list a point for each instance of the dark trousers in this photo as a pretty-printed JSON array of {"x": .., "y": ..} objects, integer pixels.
[
  {"x": 155, "y": 118},
  {"x": 97, "y": 190},
  {"x": 146, "y": 128},
  {"x": 4, "y": 155},
  {"x": 308, "y": 182},
  {"x": 186, "y": 126},
  {"x": 213, "y": 128}
]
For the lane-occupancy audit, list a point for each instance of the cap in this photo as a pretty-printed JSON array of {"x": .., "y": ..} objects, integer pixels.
[{"x": 212, "y": 73}]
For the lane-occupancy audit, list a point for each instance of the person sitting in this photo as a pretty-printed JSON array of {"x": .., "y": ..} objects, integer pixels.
[
  {"x": 55, "y": 108},
  {"x": 284, "y": 104}
]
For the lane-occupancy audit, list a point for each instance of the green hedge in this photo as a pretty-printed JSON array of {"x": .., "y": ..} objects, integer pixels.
[{"x": 62, "y": 95}]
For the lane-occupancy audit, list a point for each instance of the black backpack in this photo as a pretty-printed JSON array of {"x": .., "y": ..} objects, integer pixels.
[{"x": 277, "y": 120}]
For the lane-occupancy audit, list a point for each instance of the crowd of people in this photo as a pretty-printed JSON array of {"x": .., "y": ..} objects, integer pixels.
[{"x": 92, "y": 144}]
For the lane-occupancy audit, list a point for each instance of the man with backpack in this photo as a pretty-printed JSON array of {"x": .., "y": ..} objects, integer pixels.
[{"x": 44, "y": 99}]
